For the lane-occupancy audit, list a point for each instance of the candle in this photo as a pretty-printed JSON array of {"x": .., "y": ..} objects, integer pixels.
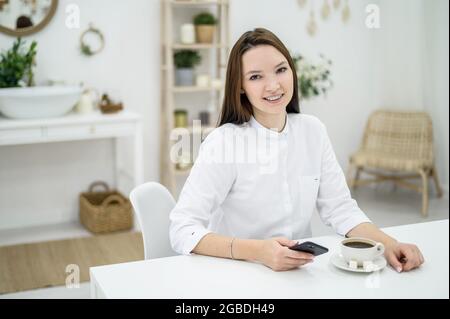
[
  {"x": 181, "y": 119},
  {"x": 85, "y": 104},
  {"x": 217, "y": 83},
  {"x": 187, "y": 33},
  {"x": 202, "y": 80}
]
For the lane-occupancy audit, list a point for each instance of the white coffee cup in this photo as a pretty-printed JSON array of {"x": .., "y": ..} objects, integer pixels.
[{"x": 360, "y": 250}]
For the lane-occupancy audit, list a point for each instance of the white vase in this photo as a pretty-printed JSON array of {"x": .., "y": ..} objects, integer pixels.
[
  {"x": 188, "y": 34},
  {"x": 202, "y": 80}
]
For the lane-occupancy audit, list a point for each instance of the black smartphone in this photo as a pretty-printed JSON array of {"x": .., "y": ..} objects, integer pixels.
[{"x": 310, "y": 247}]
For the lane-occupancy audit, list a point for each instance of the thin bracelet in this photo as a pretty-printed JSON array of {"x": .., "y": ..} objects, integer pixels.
[{"x": 231, "y": 248}]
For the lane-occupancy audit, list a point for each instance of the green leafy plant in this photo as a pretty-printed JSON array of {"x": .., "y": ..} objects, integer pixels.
[
  {"x": 16, "y": 65},
  {"x": 186, "y": 59},
  {"x": 205, "y": 18},
  {"x": 86, "y": 49},
  {"x": 314, "y": 79}
]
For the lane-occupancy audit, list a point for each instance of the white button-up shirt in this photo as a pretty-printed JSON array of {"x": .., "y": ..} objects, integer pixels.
[{"x": 253, "y": 183}]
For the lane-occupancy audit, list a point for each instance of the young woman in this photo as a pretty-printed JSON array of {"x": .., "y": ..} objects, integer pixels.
[{"x": 249, "y": 209}]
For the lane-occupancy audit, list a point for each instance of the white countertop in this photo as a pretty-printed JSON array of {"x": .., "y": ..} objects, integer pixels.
[
  {"x": 195, "y": 276},
  {"x": 70, "y": 118}
]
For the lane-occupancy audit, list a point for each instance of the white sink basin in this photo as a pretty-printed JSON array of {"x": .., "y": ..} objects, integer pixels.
[{"x": 38, "y": 102}]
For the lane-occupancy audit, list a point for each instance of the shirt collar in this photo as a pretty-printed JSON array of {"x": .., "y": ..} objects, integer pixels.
[{"x": 255, "y": 124}]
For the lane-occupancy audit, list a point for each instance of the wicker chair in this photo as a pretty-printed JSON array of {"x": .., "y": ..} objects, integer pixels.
[{"x": 400, "y": 143}]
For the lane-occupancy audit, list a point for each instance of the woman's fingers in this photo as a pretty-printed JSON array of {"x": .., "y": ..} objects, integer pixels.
[
  {"x": 394, "y": 262},
  {"x": 412, "y": 258},
  {"x": 418, "y": 255},
  {"x": 300, "y": 262},
  {"x": 285, "y": 242},
  {"x": 298, "y": 254},
  {"x": 422, "y": 259},
  {"x": 404, "y": 257},
  {"x": 288, "y": 265},
  {"x": 282, "y": 258},
  {"x": 297, "y": 262}
]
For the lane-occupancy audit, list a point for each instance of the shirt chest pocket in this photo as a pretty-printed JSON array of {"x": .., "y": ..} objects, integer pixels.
[{"x": 308, "y": 189}]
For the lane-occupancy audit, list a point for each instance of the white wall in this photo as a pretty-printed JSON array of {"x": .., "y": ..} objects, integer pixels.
[
  {"x": 435, "y": 66},
  {"x": 372, "y": 68},
  {"x": 400, "y": 45}
]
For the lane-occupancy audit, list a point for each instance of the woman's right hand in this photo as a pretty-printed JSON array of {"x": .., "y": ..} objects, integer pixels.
[{"x": 275, "y": 253}]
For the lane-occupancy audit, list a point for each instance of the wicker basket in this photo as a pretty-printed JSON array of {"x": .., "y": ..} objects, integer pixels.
[
  {"x": 107, "y": 106},
  {"x": 111, "y": 108},
  {"x": 105, "y": 211}
]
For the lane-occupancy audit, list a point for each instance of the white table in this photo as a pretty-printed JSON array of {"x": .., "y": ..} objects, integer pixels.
[
  {"x": 76, "y": 127},
  {"x": 184, "y": 277}
]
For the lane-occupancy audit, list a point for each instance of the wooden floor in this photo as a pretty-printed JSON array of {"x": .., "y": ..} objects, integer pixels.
[{"x": 63, "y": 262}]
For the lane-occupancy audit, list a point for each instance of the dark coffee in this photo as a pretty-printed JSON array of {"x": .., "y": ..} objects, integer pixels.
[{"x": 358, "y": 244}]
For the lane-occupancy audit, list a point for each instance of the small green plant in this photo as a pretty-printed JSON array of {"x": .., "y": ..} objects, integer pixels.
[
  {"x": 16, "y": 65},
  {"x": 186, "y": 59},
  {"x": 205, "y": 18}
]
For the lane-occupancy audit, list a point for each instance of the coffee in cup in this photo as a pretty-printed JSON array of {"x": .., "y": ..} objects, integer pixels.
[{"x": 360, "y": 250}]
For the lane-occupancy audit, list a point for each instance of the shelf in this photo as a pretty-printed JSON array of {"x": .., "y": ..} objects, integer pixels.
[
  {"x": 198, "y": 46},
  {"x": 191, "y": 89},
  {"x": 174, "y": 95},
  {"x": 196, "y": 3}
]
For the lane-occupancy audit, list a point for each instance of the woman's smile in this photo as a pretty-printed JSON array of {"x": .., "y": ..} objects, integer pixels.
[{"x": 274, "y": 99}]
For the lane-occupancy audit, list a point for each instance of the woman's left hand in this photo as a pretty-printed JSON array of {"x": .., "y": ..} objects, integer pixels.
[{"x": 403, "y": 257}]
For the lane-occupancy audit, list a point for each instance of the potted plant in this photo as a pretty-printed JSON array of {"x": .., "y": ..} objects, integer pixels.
[
  {"x": 16, "y": 65},
  {"x": 314, "y": 79},
  {"x": 20, "y": 98},
  {"x": 205, "y": 26},
  {"x": 185, "y": 60}
]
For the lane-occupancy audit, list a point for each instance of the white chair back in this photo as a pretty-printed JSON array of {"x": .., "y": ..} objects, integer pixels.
[{"x": 152, "y": 204}]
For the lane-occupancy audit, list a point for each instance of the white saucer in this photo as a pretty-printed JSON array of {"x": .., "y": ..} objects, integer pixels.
[{"x": 339, "y": 262}]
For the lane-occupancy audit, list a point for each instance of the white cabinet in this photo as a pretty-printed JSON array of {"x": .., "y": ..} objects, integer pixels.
[{"x": 75, "y": 127}]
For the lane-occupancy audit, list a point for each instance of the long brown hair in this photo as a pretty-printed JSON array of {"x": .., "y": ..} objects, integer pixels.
[{"x": 236, "y": 107}]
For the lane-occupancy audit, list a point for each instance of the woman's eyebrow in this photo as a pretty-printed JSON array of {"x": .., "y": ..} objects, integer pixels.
[{"x": 278, "y": 65}]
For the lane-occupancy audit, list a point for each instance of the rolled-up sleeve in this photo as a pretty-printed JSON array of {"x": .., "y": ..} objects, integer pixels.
[
  {"x": 335, "y": 205},
  {"x": 208, "y": 184}
]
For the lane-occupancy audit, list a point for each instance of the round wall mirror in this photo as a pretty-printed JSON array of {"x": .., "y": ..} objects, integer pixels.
[{"x": 25, "y": 17}]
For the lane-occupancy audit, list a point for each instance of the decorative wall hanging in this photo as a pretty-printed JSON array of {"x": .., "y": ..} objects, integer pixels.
[
  {"x": 346, "y": 12},
  {"x": 325, "y": 12},
  {"x": 302, "y": 3},
  {"x": 336, "y": 4},
  {"x": 311, "y": 25},
  {"x": 92, "y": 41}
]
